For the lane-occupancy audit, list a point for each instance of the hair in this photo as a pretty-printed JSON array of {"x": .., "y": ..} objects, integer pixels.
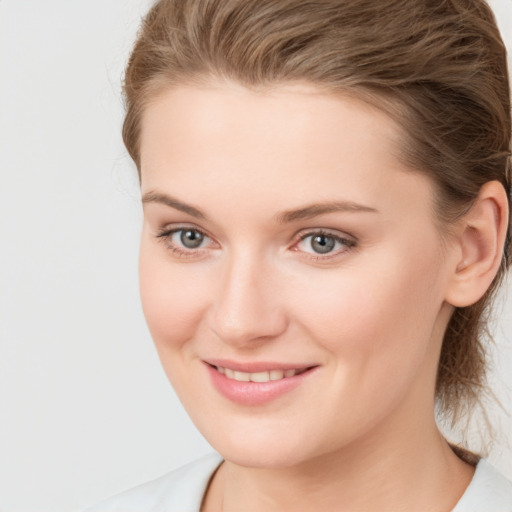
[{"x": 437, "y": 67}]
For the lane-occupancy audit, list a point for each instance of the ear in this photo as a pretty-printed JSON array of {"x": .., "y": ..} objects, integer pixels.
[{"x": 479, "y": 246}]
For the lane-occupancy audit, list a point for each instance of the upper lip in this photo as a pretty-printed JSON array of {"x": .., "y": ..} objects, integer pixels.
[{"x": 256, "y": 366}]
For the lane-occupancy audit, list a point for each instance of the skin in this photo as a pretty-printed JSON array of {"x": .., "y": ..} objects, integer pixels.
[{"x": 359, "y": 433}]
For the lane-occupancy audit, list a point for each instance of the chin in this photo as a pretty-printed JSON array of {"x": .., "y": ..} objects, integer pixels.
[
  {"x": 261, "y": 448},
  {"x": 254, "y": 456}
]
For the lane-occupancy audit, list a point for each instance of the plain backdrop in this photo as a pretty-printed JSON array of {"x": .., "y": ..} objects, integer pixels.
[{"x": 85, "y": 409}]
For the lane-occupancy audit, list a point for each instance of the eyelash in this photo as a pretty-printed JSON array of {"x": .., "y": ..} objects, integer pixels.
[
  {"x": 348, "y": 243},
  {"x": 165, "y": 235}
]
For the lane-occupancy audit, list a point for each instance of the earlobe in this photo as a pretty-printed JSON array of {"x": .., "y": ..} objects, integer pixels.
[{"x": 480, "y": 246}]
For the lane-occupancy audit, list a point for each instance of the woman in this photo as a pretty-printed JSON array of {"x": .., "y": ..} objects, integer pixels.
[{"x": 326, "y": 191}]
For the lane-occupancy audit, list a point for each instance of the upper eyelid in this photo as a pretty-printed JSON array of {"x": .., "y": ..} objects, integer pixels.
[
  {"x": 300, "y": 235},
  {"x": 167, "y": 230},
  {"x": 322, "y": 232}
]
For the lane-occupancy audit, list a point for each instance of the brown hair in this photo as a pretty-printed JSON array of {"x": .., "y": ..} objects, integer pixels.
[{"x": 438, "y": 67}]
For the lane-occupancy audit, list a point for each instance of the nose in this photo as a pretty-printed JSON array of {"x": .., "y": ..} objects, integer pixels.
[{"x": 248, "y": 305}]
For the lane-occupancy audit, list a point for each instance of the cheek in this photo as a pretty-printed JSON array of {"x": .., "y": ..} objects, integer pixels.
[
  {"x": 375, "y": 323},
  {"x": 377, "y": 316},
  {"x": 173, "y": 297}
]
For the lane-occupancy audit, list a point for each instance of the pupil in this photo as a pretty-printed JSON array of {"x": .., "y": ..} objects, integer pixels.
[
  {"x": 191, "y": 239},
  {"x": 322, "y": 244}
]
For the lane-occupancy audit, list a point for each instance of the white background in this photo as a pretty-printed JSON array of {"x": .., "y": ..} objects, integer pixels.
[{"x": 85, "y": 410}]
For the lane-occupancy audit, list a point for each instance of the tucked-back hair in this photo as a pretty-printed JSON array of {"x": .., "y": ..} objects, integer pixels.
[{"x": 437, "y": 67}]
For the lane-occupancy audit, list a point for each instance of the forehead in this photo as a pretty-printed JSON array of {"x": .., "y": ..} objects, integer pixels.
[
  {"x": 271, "y": 117},
  {"x": 291, "y": 143}
]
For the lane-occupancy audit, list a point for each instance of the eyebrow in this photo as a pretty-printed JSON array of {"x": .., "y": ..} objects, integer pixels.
[
  {"x": 314, "y": 210},
  {"x": 155, "y": 197},
  {"x": 306, "y": 212}
]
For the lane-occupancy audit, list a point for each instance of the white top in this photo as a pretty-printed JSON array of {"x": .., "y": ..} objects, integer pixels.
[{"x": 182, "y": 490}]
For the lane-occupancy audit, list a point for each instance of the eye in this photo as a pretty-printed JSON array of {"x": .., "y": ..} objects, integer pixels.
[
  {"x": 322, "y": 243},
  {"x": 185, "y": 241},
  {"x": 190, "y": 238}
]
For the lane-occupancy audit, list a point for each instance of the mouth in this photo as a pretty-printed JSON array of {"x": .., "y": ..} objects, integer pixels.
[
  {"x": 262, "y": 376},
  {"x": 256, "y": 383}
]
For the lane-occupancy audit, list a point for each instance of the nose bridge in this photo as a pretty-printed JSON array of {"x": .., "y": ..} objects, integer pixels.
[{"x": 247, "y": 305}]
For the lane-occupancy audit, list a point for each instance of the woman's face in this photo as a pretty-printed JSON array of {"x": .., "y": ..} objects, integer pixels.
[{"x": 282, "y": 233}]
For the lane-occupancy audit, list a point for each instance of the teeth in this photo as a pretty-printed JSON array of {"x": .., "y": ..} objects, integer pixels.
[
  {"x": 260, "y": 377},
  {"x": 242, "y": 376},
  {"x": 276, "y": 374},
  {"x": 257, "y": 376}
]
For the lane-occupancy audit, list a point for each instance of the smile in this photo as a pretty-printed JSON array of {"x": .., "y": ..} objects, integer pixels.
[
  {"x": 256, "y": 384},
  {"x": 264, "y": 376}
]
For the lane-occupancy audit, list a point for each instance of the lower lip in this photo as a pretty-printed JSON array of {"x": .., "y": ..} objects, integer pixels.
[{"x": 255, "y": 393}]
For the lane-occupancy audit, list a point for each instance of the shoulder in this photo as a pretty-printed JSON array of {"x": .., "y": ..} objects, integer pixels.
[
  {"x": 181, "y": 489},
  {"x": 489, "y": 490}
]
